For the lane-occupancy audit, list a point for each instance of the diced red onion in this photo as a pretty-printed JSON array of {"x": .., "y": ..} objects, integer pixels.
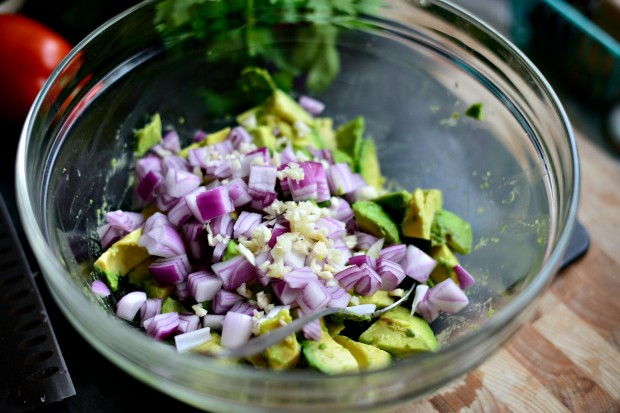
[
  {"x": 219, "y": 169},
  {"x": 364, "y": 240},
  {"x": 179, "y": 213},
  {"x": 285, "y": 293},
  {"x": 363, "y": 259},
  {"x": 341, "y": 180},
  {"x": 359, "y": 184},
  {"x": 180, "y": 183},
  {"x": 129, "y": 305},
  {"x": 419, "y": 296},
  {"x": 150, "y": 308},
  {"x": 222, "y": 225},
  {"x": 245, "y": 224},
  {"x": 396, "y": 253},
  {"x": 222, "y": 148},
  {"x": 311, "y": 105},
  {"x": 335, "y": 229},
  {"x": 98, "y": 287},
  {"x": 203, "y": 285},
  {"x": 194, "y": 235},
  {"x": 209, "y": 204},
  {"x": 159, "y": 150},
  {"x": 287, "y": 155},
  {"x": 262, "y": 275},
  {"x": 312, "y": 330},
  {"x": 340, "y": 298},
  {"x": 234, "y": 272},
  {"x": 171, "y": 141},
  {"x": 219, "y": 250},
  {"x": 294, "y": 259},
  {"x": 278, "y": 229},
  {"x": 314, "y": 296},
  {"x": 236, "y": 329},
  {"x": 108, "y": 235},
  {"x": 165, "y": 202},
  {"x": 262, "y": 178},
  {"x": 243, "y": 307},
  {"x": 369, "y": 283},
  {"x": 181, "y": 291},
  {"x": 213, "y": 321},
  {"x": 238, "y": 192},
  {"x": 124, "y": 220},
  {"x": 223, "y": 301},
  {"x": 199, "y": 136},
  {"x": 345, "y": 252},
  {"x": 239, "y": 135},
  {"x": 172, "y": 270},
  {"x": 160, "y": 238},
  {"x": 149, "y": 185},
  {"x": 349, "y": 277},
  {"x": 391, "y": 274},
  {"x": 418, "y": 265},
  {"x": 146, "y": 164},
  {"x": 444, "y": 297},
  {"x": 299, "y": 278},
  {"x": 198, "y": 157},
  {"x": 261, "y": 200},
  {"x": 341, "y": 210},
  {"x": 187, "y": 323},
  {"x": 464, "y": 277},
  {"x": 262, "y": 152},
  {"x": 173, "y": 162},
  {"x": 187, "y": 341},
  {"x": 162, "y": 326}
]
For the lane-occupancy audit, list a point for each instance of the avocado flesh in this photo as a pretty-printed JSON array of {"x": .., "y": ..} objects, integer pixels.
[
  {"x": 381, "y": 299},
  {"x": 325, "y": 128},
  {"x": 368, "y": 357},
  {"x": 420, "y": 213},
  {"x": 329, "y": 357},
  {"x": 400, "y": 334},
  {"x": 286, "y": 108},
  {"x": 371, "y": 218},
  {"x": 149, "y": 135},
  {"x": 285, "y": 354},
  {"x": 154, "y": 290},
  {"x": 446, "y": 260},
  {"x": 263, "y": 136},
  {"x": 368, "y": 164},
  {"x": 349, "y": 137},
  {"x": 171, "y": 305},
  {"x": 395, "y": 204},
  {"x": 343, "y": 157},
  {"x": 448, "y": 228},
  {"x": 122, "y": 256}
]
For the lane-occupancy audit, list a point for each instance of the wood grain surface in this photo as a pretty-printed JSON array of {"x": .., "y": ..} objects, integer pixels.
[{"x": 567, "y": 358}]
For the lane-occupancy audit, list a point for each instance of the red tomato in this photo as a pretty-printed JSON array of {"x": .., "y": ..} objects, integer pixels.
[{"x": 29, "y": 52}]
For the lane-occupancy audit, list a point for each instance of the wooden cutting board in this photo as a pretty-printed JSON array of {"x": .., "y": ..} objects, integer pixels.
[{"x": 567, "y": 358}]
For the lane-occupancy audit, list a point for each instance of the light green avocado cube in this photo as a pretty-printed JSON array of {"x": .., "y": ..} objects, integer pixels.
[{"x": 148, "y": 136}]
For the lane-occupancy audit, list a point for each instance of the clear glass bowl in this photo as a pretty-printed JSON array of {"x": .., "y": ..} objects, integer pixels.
[{"x": 514, "y": 175}]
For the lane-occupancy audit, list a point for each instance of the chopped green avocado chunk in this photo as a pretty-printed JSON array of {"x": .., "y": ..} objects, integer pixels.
[
  {"x": 381, "y": 299},
  {"x": 349, "y": 137},
  {"x": 475, "y": 111},
  {"x": 446, "y": 260},
  {"x": 420, "y": 213},
  {"x": 368, "y": 164},
  {"x": 325, "y": 128},
  {"x": 121, "y": 257},
  {"x": 148, "y": 136},
  {"x": 327, "y": 356},
  {"x": 286, "y": 108},
  {"x": 263, "y": 136},
  {"x": 449, "y": 228},
  {"x": 154, "y": 290},
  {"x": 231, "y": 250},
  {"x": 371, "y": 218},
  {"x": 171, "y": 305},
  {"x": 394, "y": 204},
  {"x": 257, "y": 82},
  {"x": 400, "y": 334},
  {"x": 285, "y": 354},
  {"x": 368, "y": 357},
  {"x": 343, "y": 157}
]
